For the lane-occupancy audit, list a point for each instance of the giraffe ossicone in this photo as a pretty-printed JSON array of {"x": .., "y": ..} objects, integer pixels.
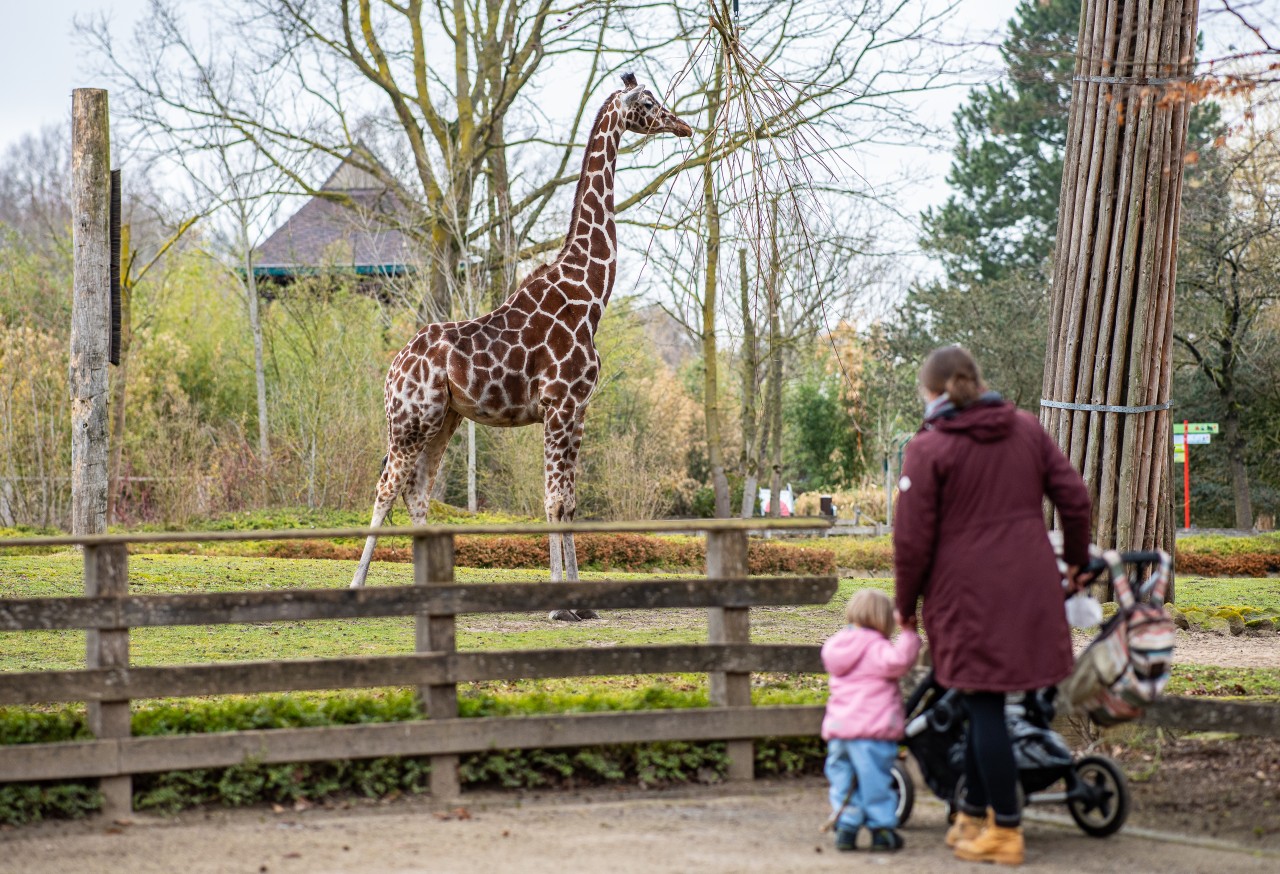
[{"x": 533, "y": 359}]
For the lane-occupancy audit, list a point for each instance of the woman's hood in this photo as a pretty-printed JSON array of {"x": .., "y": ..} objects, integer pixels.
[{"x": 987, "y": 420}]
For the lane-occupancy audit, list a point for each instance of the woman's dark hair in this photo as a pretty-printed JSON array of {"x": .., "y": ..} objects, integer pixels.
[{"x": 951, "y": 369}]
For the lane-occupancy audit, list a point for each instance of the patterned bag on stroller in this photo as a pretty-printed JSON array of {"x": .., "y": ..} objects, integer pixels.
[{"x": 1127, "y": 665}]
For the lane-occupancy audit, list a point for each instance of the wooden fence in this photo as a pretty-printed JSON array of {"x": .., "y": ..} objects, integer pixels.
[{"x": 109, "y": 682}]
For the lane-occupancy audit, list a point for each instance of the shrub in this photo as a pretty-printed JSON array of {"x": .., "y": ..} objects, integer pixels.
[
  {"x": 252, "y": 782},
  {"x": 603, "y": 552}
]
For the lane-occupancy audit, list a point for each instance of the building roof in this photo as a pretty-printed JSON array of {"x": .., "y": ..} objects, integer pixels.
[{"x": 326, "y": 234}]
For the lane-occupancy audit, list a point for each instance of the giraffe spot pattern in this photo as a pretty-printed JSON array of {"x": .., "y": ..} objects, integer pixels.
[{"x": 531, "y": 359}]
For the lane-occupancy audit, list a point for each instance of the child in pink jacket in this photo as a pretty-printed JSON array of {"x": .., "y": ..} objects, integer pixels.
[{"x": 863, "y": 722}]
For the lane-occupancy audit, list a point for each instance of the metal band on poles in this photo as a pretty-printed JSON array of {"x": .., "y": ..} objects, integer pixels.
[{"x": 1104, "y": 408}]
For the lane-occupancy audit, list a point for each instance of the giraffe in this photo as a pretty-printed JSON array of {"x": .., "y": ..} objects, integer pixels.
[{"x": 533, "y": 359}]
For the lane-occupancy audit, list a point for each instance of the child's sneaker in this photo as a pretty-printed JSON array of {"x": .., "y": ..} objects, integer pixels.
[
  {"x": 885, "y": 840},
  {"x": 846, "y": 839}
]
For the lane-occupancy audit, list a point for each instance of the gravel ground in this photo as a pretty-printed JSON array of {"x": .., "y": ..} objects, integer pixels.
[{"x": 770, "y": 826}]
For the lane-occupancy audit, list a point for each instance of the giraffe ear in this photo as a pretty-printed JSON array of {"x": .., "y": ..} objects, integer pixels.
[{"x": 629, "y": 81}]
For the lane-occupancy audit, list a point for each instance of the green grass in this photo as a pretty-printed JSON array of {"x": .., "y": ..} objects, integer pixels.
[
  {"x": 1261, "y": 593},
  {"x": 1214, "y": 682},
  {"x": 60, "y": 576}
]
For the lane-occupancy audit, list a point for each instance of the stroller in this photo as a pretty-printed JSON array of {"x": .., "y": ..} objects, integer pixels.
[{"x": 1094, "y": 787}]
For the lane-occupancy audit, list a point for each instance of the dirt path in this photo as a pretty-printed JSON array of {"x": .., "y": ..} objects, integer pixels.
[
  {"x": 768, "y": 827},
  {"x": 1223, "y": 651}
]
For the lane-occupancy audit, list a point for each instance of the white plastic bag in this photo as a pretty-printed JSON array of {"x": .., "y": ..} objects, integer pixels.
[{"x": 1083, "y": 611}]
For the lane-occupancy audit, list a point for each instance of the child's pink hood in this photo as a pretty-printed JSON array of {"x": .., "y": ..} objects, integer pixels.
[{"x": 865, "y": 668}]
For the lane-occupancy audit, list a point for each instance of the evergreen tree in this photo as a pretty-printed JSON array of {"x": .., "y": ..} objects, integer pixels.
[
  {"x": 1007, "y": 166},
  {"x": 994, "y": 235}
]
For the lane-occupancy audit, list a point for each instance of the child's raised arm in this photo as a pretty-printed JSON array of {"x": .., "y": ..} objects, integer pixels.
[{"x": 894, "y": 659}]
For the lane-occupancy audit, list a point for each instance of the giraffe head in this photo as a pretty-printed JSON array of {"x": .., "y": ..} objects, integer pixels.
[{"x": 642, "y": 113}]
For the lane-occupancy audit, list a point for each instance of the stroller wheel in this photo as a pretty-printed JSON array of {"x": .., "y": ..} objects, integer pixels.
[
  {"x": 905, "y": 790},
  {"x": 1098, "y": 797}
]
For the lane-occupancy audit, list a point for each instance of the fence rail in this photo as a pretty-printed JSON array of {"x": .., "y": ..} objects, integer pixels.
[{"x": 109, "y": 682}]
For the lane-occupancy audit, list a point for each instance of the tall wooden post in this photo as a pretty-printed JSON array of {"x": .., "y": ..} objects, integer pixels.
[
  {"x": 1108, "y": 367},
  {"x": 727, "y": 559},
  {"x": 90, "y": 308},
  {"x": 436, "y": 632},
  {"x": 106, "y": 574}
]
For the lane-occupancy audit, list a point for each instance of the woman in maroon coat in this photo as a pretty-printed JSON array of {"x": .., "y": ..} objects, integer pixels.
[{"x": 969, "y": 537}]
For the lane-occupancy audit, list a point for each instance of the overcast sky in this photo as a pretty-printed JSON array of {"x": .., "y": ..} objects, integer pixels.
[
  {"x": 43, "y": 63},
  {"x": 40, "y": 39}
]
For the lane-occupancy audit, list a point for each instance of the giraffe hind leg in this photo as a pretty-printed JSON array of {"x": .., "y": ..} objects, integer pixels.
[
  {"x": 417, "y": 495},
  {"x": 397, "y": 469}
]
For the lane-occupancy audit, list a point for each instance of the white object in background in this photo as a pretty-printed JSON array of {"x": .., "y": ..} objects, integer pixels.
[
  {"x": 1083, "y": 611},
  {"x": 785, "y": 496}
]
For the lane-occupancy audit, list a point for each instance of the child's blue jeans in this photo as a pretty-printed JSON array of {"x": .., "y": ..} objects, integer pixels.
[{"x": 873, "y": 803}]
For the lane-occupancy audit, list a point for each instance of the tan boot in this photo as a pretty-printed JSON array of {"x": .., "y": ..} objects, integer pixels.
[
  {"x": 966, "y": 827},
  {"x": 994, "y": 844}
]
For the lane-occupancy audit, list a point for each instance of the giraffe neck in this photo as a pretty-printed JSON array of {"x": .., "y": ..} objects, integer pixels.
[{"x": 592, "y": 237}]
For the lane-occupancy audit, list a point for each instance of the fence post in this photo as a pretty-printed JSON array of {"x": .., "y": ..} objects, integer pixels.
[
  {"x": 436, "y": 632},
  {"x": 727, "y": 559},
  {"x": 90, "y": 307},
  {"x": 106, "y": 574}
]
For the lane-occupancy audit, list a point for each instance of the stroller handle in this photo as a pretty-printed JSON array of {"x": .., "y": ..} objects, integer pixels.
[{"x": 1098, "y": 564}]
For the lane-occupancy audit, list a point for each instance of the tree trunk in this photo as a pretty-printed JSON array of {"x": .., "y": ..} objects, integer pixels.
[
  {"x": 750, "y": 368},
  {"x": 775, "y": 415},
  {"x": 1236, "y": 455},
  {"x": 710, "y": 352},
  {"x": 259, "y": 368},
  {"x": 120, "y": 384},
  {"x": 775, "y": 364},
  {"x": 90, "y": 308},
  {"x": 1110, "y": 331}
]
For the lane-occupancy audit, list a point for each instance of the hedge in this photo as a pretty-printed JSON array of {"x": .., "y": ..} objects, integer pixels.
[
  {"x": 603, "y": 552},
  {"x": 648, "y": 764}
]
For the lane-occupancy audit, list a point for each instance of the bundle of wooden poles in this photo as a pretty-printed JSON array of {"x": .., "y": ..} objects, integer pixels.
[{"x": 1109, "y": 359}]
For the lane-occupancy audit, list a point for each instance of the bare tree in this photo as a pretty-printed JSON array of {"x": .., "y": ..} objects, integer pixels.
[
  {"x": 444, "y": 84},
  {"x": 783, "y": 90},
  {"x": 1230, "y": 279}
]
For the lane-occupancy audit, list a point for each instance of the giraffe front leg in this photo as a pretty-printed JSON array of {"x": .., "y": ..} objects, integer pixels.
[
  {"x": 560, "y": 456},
  {"x": 570, "y": 549}
]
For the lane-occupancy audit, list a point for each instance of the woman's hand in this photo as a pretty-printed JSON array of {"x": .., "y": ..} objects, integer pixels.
[
  {"x": 1077, "y": 581},
  {"x": 906, "y": 623}
]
